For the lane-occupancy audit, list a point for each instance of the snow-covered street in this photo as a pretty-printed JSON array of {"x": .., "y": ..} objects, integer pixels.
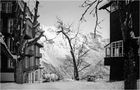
[{"x": 64, "y": 85}]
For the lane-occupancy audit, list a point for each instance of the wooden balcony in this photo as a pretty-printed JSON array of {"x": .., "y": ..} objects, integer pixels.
[
  {"x": 114, "y": 49},
  {"x": 38, "y": 55},
  {"x": 114, "y": 53},
  {"x": 113, "y": 60},
  {"x": 30, "y": 68},
  {"x": 29, "y": 53},
  {"x": 37, "y": 67}
]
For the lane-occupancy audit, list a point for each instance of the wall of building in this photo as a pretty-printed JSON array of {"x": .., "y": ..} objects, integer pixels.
[
  {"x": 6, "y": 23},
  {"x": 115, "y": 27},
  {"x": 116, "y": 63},
  {"x": 34, "y": 76},
  {"x": 7, "y": 77}
]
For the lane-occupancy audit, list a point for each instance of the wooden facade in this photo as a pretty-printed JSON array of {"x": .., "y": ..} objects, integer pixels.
[
  {"x": 115, "y": 49},
  {"x": 6, "y": 22}
]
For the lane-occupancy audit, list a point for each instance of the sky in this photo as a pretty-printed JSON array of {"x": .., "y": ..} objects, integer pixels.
[{"x": 70, "y": 12}]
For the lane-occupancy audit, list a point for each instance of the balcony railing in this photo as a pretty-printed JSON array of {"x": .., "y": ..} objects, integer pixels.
[
  {"x": 38, "y": 55},
  {"x": 114, "y": 49},
  {"x": 29, "y": 53}
]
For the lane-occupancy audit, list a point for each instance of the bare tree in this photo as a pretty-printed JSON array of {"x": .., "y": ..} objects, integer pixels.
[
  {"x": 21, "y": 43},
  {"x": 77, "y": 52},
  {"x": 82, "y": 53},
  {"x": 65, "y": 31}
]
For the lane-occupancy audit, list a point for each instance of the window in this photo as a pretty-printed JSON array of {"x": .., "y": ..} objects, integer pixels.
[
  {"x": 37, "y": 61},
  {"x": 6, "y": 7},
  {"x": 33, "y": 77},
  {"x": 36, "y": 75},
  {"x": 128, "y": 1},
  {"x": 10, "y": 63},
  {"x": 27, "y": 62},
  {"x": 114, "y": 6},
  {"x": 32, "y": 61},
  {"x": 108, "y": 51},
  {"x": 3, "y": 6},
  {"x": 8, "y": 42},
  {"x": 37, "y": 50},
  {"x": 115, "y": 49},
  {"x": 9, "y": 7},
  {"x": 10, "y": 25}
]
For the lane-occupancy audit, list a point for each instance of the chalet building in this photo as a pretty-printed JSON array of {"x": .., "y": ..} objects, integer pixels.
[
  {"x": 115, "y": 49},
  {"x": 32, "y": 68},
  {"x": 16, "y": 24}
]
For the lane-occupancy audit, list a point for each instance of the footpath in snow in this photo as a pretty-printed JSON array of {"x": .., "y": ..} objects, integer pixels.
[{"x": 65, "y": 85}]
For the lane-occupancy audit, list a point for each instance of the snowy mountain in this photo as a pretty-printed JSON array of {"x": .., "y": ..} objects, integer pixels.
[{"x": 56, "y": 49}]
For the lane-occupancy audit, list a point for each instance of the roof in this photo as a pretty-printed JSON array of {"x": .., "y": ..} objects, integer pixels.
[
  {"x": 21, "y": 4},
  {"x": 106, "y": 5}
]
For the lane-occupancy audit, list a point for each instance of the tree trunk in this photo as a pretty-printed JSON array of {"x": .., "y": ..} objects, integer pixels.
[
  {"x": 129, "y": 51},
  {"x": 130, "y": 75},
  {"x": 76, "y": 74},
  {"x": 19, "y": 72}
]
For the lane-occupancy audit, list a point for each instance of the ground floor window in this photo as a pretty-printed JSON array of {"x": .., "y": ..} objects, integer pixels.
[
  {"x": 32, "y": 77},
  {"x": 36, "y": 75}
]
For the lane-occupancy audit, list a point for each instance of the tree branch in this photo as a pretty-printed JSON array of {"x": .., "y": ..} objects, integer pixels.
[
  {"x": 84, "y": 53},
  {"x": 8, "y": 50},
  {"x": 89, "y": 6},
  {"x": 77, "y": 31},
  {"x": 34, "y": 40},
  {"x": 84, "y": 67},
  {"x": 96, "y": 13}
]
